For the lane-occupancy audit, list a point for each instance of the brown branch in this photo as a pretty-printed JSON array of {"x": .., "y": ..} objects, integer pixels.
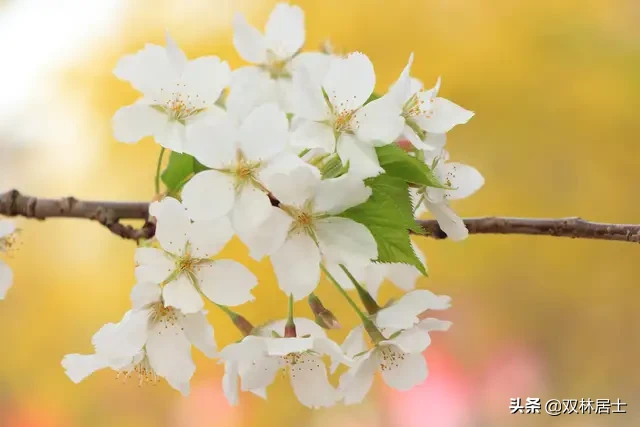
[{"x": 109, "y": 214}]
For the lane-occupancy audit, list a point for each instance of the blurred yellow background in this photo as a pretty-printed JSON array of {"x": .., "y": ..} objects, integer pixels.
[{"x": 555, "y": 85}]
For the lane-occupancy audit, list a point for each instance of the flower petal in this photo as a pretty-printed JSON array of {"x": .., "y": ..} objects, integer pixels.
[
  {"x": 204, "y": 79},
  {"x": 230, "y": 382},
  {"x": 349, "y": 81},
  {"x": 173, "y": 136},
  {"x": 145, "y": 293},
  {"x": 199, "y": 332},
  {"x": 284, "y": 32},
  {"x": 284, "y": 346},
  {"x": 309, "y": 102},
  {"x": 444, "y": 116},
  {"x": 430, "y": 324},
  {"x": 379, "y": 121},
  {"x": 209, "y": 195},
  {"x": 347, "y": 241},
  {"x": 336, "y": 195},
  {"x": 448, "y": 220},
  {"x": 324, "y": 345},
  {"x": 297, "y": 266},
  {"x": 405, "y": 371},
  {"x": 362, "y": 157},
  {"x": 226, "y": 282},
  {"x": 207, "y": 238},
  {"x": 264, "y": 133},
  {"x": 269, "y": 236},
  {"x": 413, "y": 340},
  {"x": 153, "y": 265},
  {"x": 147, "y": 70},
  {"x": 251, "y": 209},
  {"x": 310, "y": 383},
  {"x": 304, "y": 327},
  {"x": 181, "y": 294},
  {"x": 6, "y": 228},
  {"x": 134, "y": 122},
  {"x": 314, "y": 135},
  {"x": 177, "y": 58},
  {"x": 403, "y": 314},
  {"x": 213, "y": 144},
  {"x": 356, "y": 383},
  {"x": 80, "y": 366},
  {"x": 400, "y": 90},
  {"x": 248, "y": 41},
  {"x": 169, "y": 354},
  {"x": 123, "y": 339},
  {"x": 465, "y": 179},
  {"x": 172, "y": 225},
  {"x": 6, "y": 279},
  {"x": 293, "y": 187}
]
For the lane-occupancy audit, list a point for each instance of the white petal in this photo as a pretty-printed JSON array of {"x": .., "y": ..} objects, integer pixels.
[
  {"x": 248, "y": 41},
  {"x": 204, "y": 79},
  {"x": 353, "y": 344},
  {"x": 264, "y": 133},
  {"x": 435, "y": 141},
  {"x": 304, "y": 327},
  {"x": 181, "y": 294},
  {"x": 153, "y": 265},
  {"x": 431, "y": 324},
  {"x": 314, "y": 135},
  {"x": 294, "y": 187},
  {"x": 249, "y": 349},
  {"x": 406, "y": 372},
  {"x": 403, "y": 314},
  {"x": 349, "y": 81},
  {"x": 251, "y": 209},
  {"x": 413, "y": 340},
  {"x": 209, "y": 195},
  {"x": 284, "y": 31},
  {"x": 169, "y": 354},
  {"x": 284, "y": 346},
  {"x": 347, "y": 241},
  {"x": 199, "y": 332},
  {"x": 124, "y": 339},
  {"x": 173, "y": 136},
  {"x": 226, "y": 282},
  {"x": 134, "y": 122},
  {"x": 414, "y": 139},
  {"x": 448, "y": 220},
  {"x": 145, "y": 293},
  {"x": 465, "y": 179},
  {"x": 309, "y": 102},
  {"x": 261, "y": 373},
  {"x": 6, "y": 228},
  {"x": 249, "y": 76},
  {"x": 297, "y": 266},
  {"x": 356, "y": 383},
  {"x": 316, "y": 65},
  {"x": 336, "y": 195},
  {"x": 176, "y": 56},
  {"x": 147, "y": 70},
  {"x": 362, "y": 157},
  {"x": 80, "y": 366},
  {"x": 6, "y": 279},
  {"x": 310, "y": 382},
  {"x": 207, "y": 238},
  {"x": 379, "y": 121},
  {"x": 400, "y": 90},
  {"x": 230, "y": 382},
  {"x": 402, "y": 275},
  {"x": 445, "y": 116},
  {"x": 213, "y": 144},
  {"x": 324, "y": 345},
  {"x": 172, "y": 225},
  {"x": 374, "y": 276},
  {"x": 269, "y": 236},
  {"x": 250, "y": 88}
]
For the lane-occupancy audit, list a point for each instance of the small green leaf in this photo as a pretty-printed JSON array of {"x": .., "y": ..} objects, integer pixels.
[
  {"x": 388, "y": 214},
  {"x": 398, "y": 163},
  {"x": 179, "y": 170}
]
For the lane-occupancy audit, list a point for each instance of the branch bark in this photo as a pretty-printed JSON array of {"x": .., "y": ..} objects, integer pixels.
[{"x": 109, "y": 214}]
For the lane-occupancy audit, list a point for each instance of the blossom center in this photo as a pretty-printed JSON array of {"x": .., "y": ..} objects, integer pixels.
[
  {"x": 277, "y": 66},
  {"x": 7, "y": 243},
  {"x": 390, "y": 358},
  {"x": 178, "y": 106},
  {"x": 415, "y": 106},
  {"x": 160, "y": 313},
  {"x": 144, "y": 371},
  {"x": 343, "y": 121}
]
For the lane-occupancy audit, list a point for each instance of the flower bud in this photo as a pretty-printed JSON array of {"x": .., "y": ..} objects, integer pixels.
[{"x": 323, "y": 317}]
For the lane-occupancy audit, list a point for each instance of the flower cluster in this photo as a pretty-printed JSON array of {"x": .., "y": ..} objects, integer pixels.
[{"x": 301, "y": 160}]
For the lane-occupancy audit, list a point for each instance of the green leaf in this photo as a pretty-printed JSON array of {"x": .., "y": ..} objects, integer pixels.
[
  {"x": 179, "y": 170},
  {"x": 398, "y": 163},
  {"x": 388, "y": 214}
]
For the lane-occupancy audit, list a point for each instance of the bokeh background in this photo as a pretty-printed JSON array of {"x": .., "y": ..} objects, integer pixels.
[{"x": 556, "y": 87}]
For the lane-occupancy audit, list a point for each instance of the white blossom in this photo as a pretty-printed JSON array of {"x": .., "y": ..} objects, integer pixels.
[
  {"x": 336, "y": 118},
  {"x": 427, "y": 116},
  {"x": 306, "y": 226},
  {"x": 151, "y": 341},
  {"x": 183, "y": 264},
  {"x": 258, "y": 359},
  {"x": 463, "y": 180},
  {"x": 7, "y": 239},
  {"x": 399, "y": 357},
  {"x": 240, "y": 156},
  {"x": 176, "y": 94}
]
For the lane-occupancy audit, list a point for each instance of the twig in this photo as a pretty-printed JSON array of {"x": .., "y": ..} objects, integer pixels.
[{"x": 109, "y": 214}]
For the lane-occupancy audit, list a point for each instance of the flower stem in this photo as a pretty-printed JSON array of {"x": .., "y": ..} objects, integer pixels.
[
  {"x": 351, "y": 302},
  {"x": 290, "y": 326},
  {"x": 367, "y": 300},
  {"x": 238, "y": 320},
  {"x": 158, "y": 167}
]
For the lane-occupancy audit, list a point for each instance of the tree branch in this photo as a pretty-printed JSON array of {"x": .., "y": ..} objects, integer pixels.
[{"x": 109, "y": 214}]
